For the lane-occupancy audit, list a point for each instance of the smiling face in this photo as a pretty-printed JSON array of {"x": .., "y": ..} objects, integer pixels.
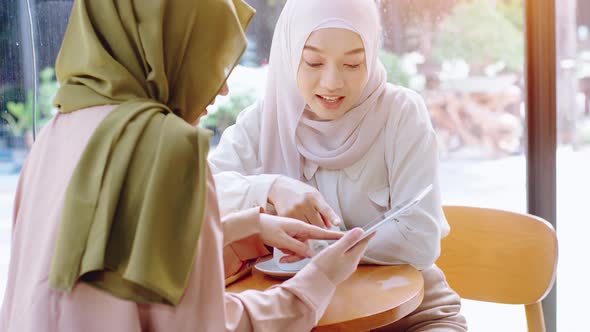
[{"x": 332, "y": 72}]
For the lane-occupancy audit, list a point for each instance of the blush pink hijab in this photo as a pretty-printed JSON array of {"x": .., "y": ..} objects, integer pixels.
[{"x": 292, "y": 140}]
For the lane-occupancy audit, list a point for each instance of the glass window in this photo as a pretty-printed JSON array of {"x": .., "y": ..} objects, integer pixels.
[
  {"x": 12, "y": 142},
  {"x": 27, "y": 83},
  {"x": 573, "y": 158},
  {"x": 464, "y": 57}
]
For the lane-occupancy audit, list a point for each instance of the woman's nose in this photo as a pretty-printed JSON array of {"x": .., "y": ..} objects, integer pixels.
[
  {"x": 224, "y": 90},
  {"x": 332, "y": 79}
]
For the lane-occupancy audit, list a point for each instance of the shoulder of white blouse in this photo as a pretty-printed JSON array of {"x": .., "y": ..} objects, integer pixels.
[
  {"x": 250, "y": 117},
  {"x": 409, "y": 108}
]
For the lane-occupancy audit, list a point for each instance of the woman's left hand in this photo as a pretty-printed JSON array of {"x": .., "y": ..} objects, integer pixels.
[{"x": 291, "y": 235}]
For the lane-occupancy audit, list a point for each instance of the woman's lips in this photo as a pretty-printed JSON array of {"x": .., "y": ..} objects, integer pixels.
[{"x": 330, "y": 102}]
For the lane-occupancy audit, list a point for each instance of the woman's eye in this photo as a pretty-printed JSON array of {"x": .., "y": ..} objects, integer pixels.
[
  {"x": 313, "y": 64},
  {"x": 352, "y": 66}
]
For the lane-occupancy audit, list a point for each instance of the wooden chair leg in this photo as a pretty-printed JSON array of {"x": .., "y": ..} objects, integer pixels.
[{"x": 534, "y": 317}]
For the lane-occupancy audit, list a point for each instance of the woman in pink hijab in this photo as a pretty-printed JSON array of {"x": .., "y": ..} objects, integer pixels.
[{"x": 333, "y": 144}]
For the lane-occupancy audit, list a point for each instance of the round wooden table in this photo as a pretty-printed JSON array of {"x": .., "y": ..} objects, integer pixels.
[{"x": 373, "y": 296}]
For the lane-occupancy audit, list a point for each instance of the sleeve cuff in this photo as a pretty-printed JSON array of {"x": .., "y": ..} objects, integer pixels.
[
  {"x": 236, "y": 192},
  {"x": 313, "y": 288},
  {"x": 259, "y": 188}
]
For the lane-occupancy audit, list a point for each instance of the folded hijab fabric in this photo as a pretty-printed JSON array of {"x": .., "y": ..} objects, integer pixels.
[{"x": 134, "y": 205}]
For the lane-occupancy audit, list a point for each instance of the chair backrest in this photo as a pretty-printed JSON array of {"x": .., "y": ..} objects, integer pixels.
[{"x": 499, "y": 256}]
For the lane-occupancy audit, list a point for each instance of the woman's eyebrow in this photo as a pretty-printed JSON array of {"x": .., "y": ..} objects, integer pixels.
[
  {"x": 356, "y": 51},
  {"x": 312, "y": 48},
  {"x": 353, "y": 51}
]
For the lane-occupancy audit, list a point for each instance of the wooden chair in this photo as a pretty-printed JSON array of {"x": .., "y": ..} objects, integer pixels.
[{"x": 500, "y": 256}]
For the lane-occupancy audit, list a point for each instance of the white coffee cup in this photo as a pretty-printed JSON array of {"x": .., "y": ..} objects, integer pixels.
[
  {"x": 290, "y": 267},
  {"x": 316, "y": 246}
]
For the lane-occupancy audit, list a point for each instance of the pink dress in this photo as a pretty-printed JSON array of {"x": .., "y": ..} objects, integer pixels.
[{"x": 30, "y": 305}]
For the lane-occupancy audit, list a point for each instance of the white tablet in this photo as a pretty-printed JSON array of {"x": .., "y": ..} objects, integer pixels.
[{"x": 397, "y": 211}]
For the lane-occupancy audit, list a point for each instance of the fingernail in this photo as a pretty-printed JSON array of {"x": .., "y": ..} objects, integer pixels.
[
  {"x": 357, "y": 231},
  {"x": 309, "y": 253}
]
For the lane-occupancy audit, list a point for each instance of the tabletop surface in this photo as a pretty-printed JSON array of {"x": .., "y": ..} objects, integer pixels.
[{"x": 373, "y": 296}]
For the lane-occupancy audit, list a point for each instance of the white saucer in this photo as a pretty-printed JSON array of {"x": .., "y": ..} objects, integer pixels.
[{"x": 270, "y": 268}]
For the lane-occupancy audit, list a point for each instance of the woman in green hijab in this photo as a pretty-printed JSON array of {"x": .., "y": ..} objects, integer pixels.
[{"x": 116, "y": 223}]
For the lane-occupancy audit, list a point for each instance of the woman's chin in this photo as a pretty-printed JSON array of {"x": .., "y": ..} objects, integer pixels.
[{"x": 327, "y": 115}]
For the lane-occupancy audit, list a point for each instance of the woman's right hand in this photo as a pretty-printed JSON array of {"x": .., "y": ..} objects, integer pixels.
[
  {"x": 294, "y": 199},
  {"x": 292, "y": 236},
  {"x": 341, "y": 259}
]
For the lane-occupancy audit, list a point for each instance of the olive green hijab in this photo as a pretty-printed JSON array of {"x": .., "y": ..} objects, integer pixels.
[{"x": 134, "y": 205}]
